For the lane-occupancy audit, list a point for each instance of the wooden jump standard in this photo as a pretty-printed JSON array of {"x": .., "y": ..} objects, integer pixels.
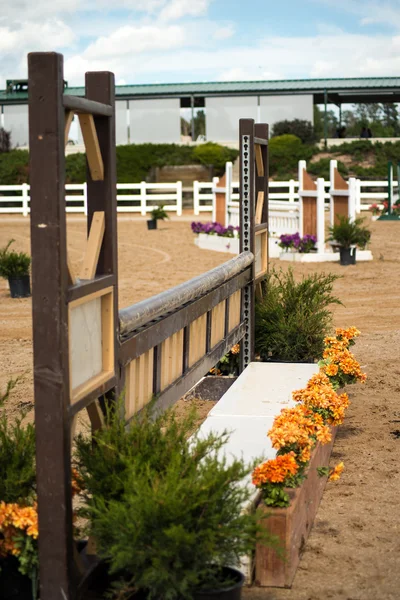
[{"x": 85, "y": 352}]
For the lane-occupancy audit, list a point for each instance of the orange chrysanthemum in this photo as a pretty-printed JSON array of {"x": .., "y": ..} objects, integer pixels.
[
  {"x": 336, "y": 472},
  {"x": 275, "y": 470}
]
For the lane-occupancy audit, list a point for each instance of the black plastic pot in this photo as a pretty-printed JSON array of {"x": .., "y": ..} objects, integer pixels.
[
  {"x": 347, "y": 256},
  {"x": 20, "y": 287},
  {"x": 231, "y": 592},
  {"x": 152, "y": 224},
  {"x": 13, "y": 585}
]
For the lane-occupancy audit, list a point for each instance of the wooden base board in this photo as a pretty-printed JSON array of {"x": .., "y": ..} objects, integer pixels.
[{"x": 292, "y": 524}]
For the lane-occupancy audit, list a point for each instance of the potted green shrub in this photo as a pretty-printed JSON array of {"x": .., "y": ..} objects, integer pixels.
[
  {"x": 14, "y": 266},
  {"x": 165, "y": 511},
  {"x": 348, "y": 234},
  {"x": 158, "y": 213}
]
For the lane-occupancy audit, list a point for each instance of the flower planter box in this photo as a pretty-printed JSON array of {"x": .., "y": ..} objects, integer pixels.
[
  {"x": 217, "y": 243},
  {"x": 292, "y": 524}
]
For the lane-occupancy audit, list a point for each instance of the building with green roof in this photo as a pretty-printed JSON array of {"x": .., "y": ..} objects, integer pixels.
[{"x": 158, "y": 112}]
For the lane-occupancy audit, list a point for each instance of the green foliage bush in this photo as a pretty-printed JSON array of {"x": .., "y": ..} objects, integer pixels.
[
  {"x": 164, "y": 510},
  {"x": 284, "y": 153},
  {"x": 348, "y": 232},
  {"x": 321, "y": 168},
  {"x": 134, "y": 161},
  {"x": 298, "y": 127},
  {"x": 216, "y": 155},
  {"x": 293, "y": 317},
  {"x": 17, "y": 456},
  {"x": 14, "y": 167},
  {"x": 13, "y": 264}
]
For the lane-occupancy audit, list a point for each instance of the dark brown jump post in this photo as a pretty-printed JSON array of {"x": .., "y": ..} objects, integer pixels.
[
  {"x": 61, "y": 388},
  {"x": 83, "y": 348}
]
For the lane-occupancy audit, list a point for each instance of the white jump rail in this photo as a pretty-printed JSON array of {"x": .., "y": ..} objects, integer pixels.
[
  {"x": 203, "y": 196},
  {"x": 138, "y": 198}
]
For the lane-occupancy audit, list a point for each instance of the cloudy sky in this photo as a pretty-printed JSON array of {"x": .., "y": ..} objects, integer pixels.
[{"x": 149, "y": 41}]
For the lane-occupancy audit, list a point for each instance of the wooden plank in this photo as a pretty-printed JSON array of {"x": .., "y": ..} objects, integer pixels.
[
  {"x": 171, "y": 359},
  {"x": 217, "y": 324},
  {"x": 259, "y": 160},
  {"x": 308, "y": 183},
  {"x": 93, "y": 154},
  {"x": 340, "y": 208},
  {"x": 89, "y": 297},
  {"x": 93, "y": 246},
  {"x": 309, "y": 216},
  {"x": 69, "y": 117},
  {"x": 96, "y": 415},
  {"x": 234, "y": 309},
  {"x": 83, "y": 390},
  {"x": 72, "y": 279},
  {"x": 50, "y": 324},
  {"x": 259, "y": 207},
  {"x": 107, "y": 331},
  {"x": 197, "y": 345},
  {"x": 338, "y": 182}
]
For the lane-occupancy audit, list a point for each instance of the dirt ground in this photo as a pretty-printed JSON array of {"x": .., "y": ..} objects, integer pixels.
[{"x": 353, "y": 552}]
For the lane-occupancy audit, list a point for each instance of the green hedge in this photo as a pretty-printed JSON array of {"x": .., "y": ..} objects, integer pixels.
[
  {"x": 133, "y": 161},
  {"x": 285, "y": 151}
]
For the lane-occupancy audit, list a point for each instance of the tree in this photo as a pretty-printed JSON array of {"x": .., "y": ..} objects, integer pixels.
[
  {"x": 199, "y": 124},
  {"x": 319, "y": 118},
  {"x": 390, "y": 117},
  {"x": 298, "y": 127}
]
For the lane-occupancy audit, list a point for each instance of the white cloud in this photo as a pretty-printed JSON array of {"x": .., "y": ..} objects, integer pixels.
[
  {"x": 129, "y": 40},
  {"x": 223, "y": 33},
  {"x": 176, "y": 9}
]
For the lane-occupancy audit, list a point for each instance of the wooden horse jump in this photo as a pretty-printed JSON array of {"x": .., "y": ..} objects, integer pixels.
[
  {"x": 312, "y": 206},
  {"x": 85, "y": 352},
  {"x": 343, "y": 195}
]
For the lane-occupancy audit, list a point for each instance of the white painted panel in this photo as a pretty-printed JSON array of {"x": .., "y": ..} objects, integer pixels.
[
  {"x": 223, "y": 114},
  {"x": 85, "y": 342},
  {"x": 263, "y": 389},
  {"x": 155, "y": 120},
  {"x": 282, "y": 108},
  {"x": 16, "y": 121}
]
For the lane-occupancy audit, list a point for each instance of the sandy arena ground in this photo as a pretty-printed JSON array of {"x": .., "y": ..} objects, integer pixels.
[{"x": 353, "y": 552}]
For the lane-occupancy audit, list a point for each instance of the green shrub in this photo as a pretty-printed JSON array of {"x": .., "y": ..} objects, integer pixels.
[
  {"x": 293, "y": 317},
  {"x": 321, "y": 168},
  {"x": 348, "y": 232},
  {"x": 285, "y": 151},
  {"x": 17, "y": 457},
  {"x": 14, "y": 167},
  {"x": 13, "y": 264},
  {"x": 298, "y": 127},
  {"x": 166, "y": 513},
  {"x": 215, "y": 155}
]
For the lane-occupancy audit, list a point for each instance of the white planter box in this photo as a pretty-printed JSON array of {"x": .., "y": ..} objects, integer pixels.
[
  {"x": 217, "y": 243},
  {"x": 361, "y": 255},
  {"x": 231, "y": 245}
]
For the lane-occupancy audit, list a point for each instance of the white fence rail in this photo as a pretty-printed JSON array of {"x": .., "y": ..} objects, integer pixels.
[
  {"x": 135, "y": 198},
  {"x": 368, "y": 192}
]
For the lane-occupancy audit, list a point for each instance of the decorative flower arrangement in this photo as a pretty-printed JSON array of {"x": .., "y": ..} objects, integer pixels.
[
  {"x": 215, "y": 229},
  {"x": 296, "y": 431},
  {"x": 302, "y": 244},
  {"x": 338, "y": 363},
  {"x": 377, "y": 210}
]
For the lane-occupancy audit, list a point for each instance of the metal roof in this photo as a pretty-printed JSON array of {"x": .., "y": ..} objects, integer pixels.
[{"x": 339, "y": 90}]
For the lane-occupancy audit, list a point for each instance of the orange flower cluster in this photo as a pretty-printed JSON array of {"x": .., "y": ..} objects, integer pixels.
[
  {"x": 296, "y": 430},
  {"x": 320, "y": 395},
  {"x": 76, "y": 482},
  {"x": 235, "y": 349},
  {"x": 275, "y": 470},
  {"x": 347, "y": 334},
  {"x": 15, "y": 519},
  {"x": 301, "y": 427},
  {"x": 338, "y": 358},
  {"x": 336, "y": 472}
]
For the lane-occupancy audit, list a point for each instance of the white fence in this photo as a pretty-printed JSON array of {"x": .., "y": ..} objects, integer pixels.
[
  {"x": 135, "y": 198},
  {"x": 368, "y": 192}
]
